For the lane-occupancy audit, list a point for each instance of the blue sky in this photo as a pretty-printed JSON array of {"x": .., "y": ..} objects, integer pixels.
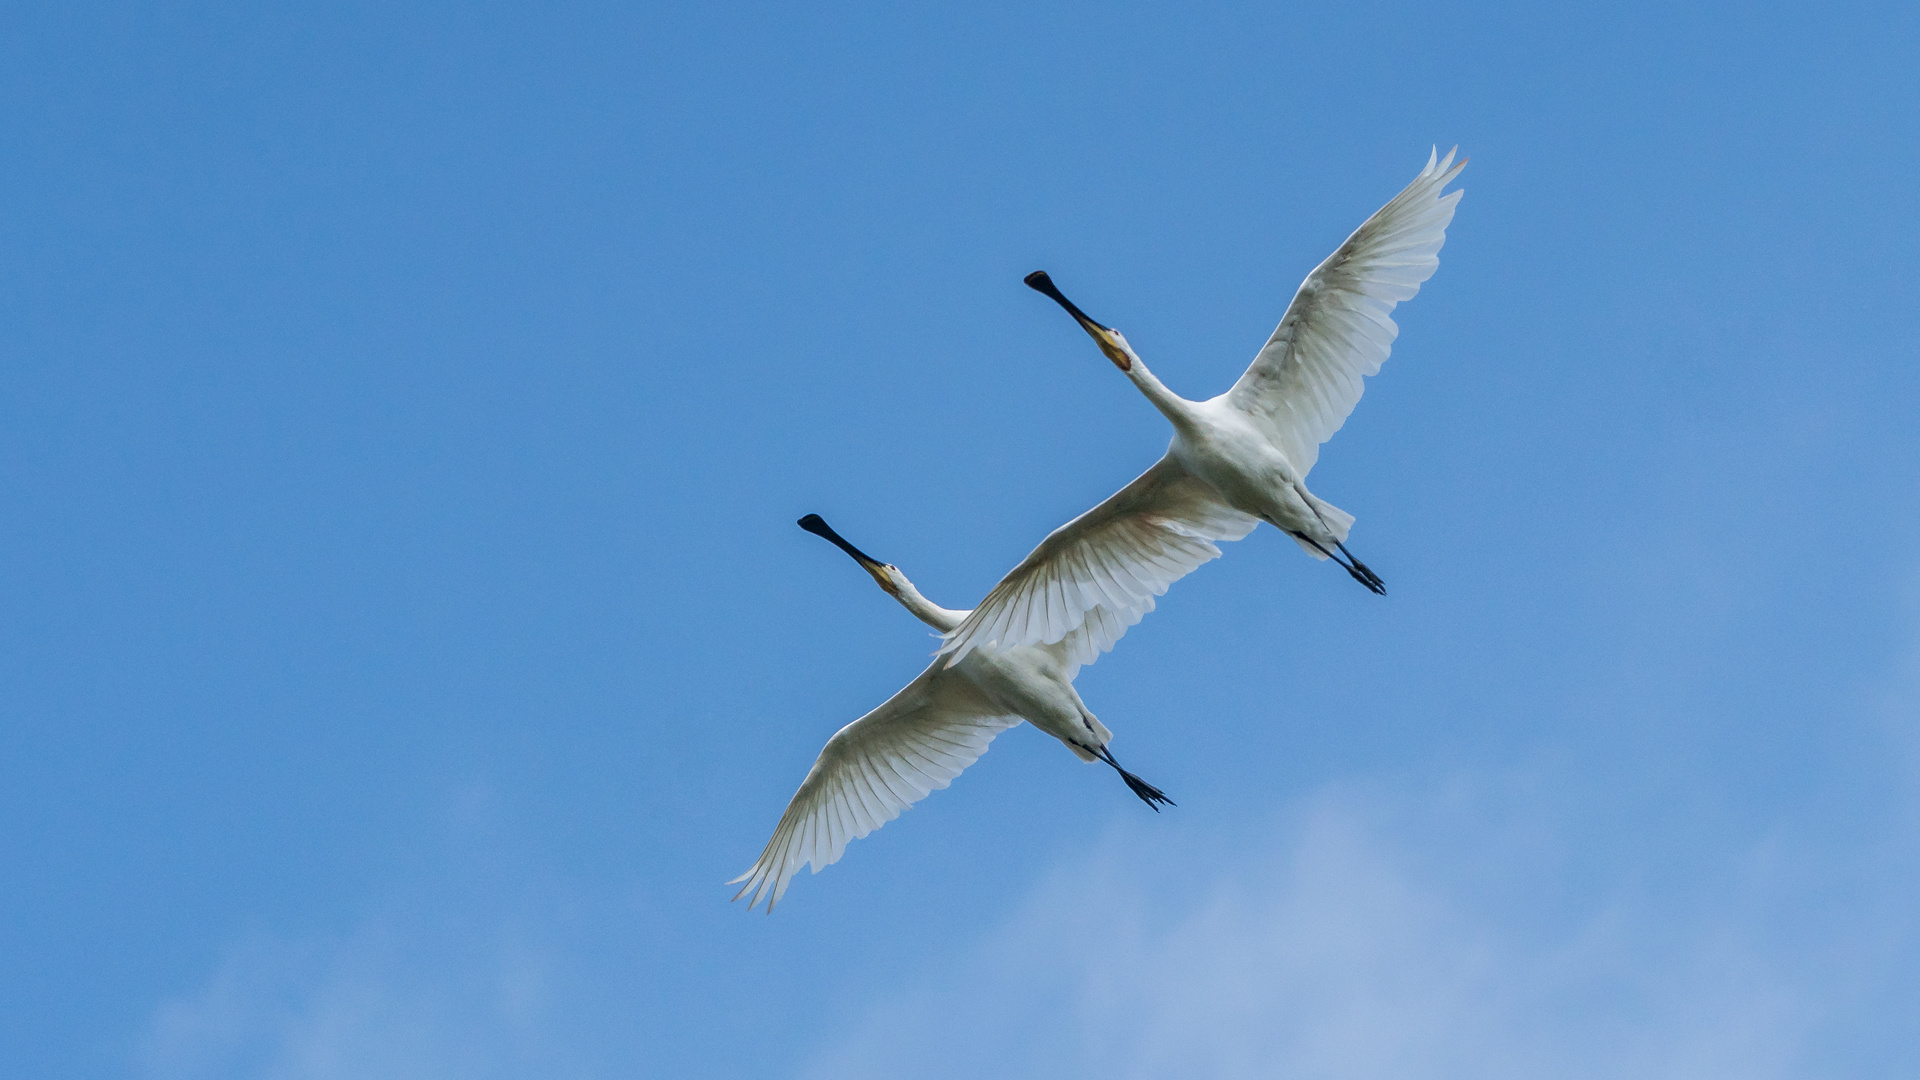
[{"x": 404, "y": 631}]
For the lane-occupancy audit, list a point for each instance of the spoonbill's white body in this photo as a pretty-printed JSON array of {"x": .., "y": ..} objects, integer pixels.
[
  {"x": 1235, "y": 460},
  {"x": 924, "y": 736}
]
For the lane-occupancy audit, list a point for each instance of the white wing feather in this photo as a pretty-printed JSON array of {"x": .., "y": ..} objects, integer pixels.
[
  {"x": 1338, "y": 329},
  {"x": 870, "y": 771},
  {"x": 1101, "y": 571},
  {"x": 1082, "y": 646}
]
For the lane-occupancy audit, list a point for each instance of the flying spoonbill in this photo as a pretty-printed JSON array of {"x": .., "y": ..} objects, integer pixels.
[
  {"x": 1235, "y": 460},
  {"x": 923, "y": 736}
]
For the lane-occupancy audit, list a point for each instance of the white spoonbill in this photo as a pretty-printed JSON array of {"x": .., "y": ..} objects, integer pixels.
[
  {"x": 1235, "y": 460},
  {"x": 923, "y": 737}
]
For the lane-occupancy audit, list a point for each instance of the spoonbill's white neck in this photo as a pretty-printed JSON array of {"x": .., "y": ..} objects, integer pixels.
[
  {"x": 941, "y": 619},
  {"x": 1171, "y": 405},
  {"x": 1114, "y": 344},
  {"x": 888, "y": 577}
]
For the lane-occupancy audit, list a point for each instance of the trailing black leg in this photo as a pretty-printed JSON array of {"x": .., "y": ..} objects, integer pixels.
[
  {"x": 1355, "y": 569},
  {"x": 1148, "y": 793},
  {"x": 1371, "y": 580}
]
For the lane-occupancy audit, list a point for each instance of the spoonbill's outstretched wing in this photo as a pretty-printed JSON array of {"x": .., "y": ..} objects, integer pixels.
[
  {"x": 870, "y": 771},
  {"x": 1338, "y": 328},
  {"x": 1103, "y": 568}
]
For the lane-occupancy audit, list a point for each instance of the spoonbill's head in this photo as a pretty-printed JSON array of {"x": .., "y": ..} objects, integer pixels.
[
  {"x": 887, "y": 575},
  {"x": 1110, "y": 340}
]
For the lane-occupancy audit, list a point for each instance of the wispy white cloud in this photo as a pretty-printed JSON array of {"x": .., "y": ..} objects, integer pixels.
[
  {"x": 385, "y": 1003},
  {"x": 1333, "y": 952},
  {"x": 1380, "y": 930},
  {"x": 1403, "y": 928}
]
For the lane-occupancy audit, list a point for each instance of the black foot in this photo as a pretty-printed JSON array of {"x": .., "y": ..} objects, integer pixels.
[
  {"x": 1148, "y": 793},
  {"x": 1361, "y": 573},
  {"x": 1354, "y": 567}
]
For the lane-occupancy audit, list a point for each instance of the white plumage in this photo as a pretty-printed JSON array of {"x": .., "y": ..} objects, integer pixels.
[
  {"x": 1234, "y": 460},
  {"x": 923, "y": 737},
  {"x": 870, "y": 771}
]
